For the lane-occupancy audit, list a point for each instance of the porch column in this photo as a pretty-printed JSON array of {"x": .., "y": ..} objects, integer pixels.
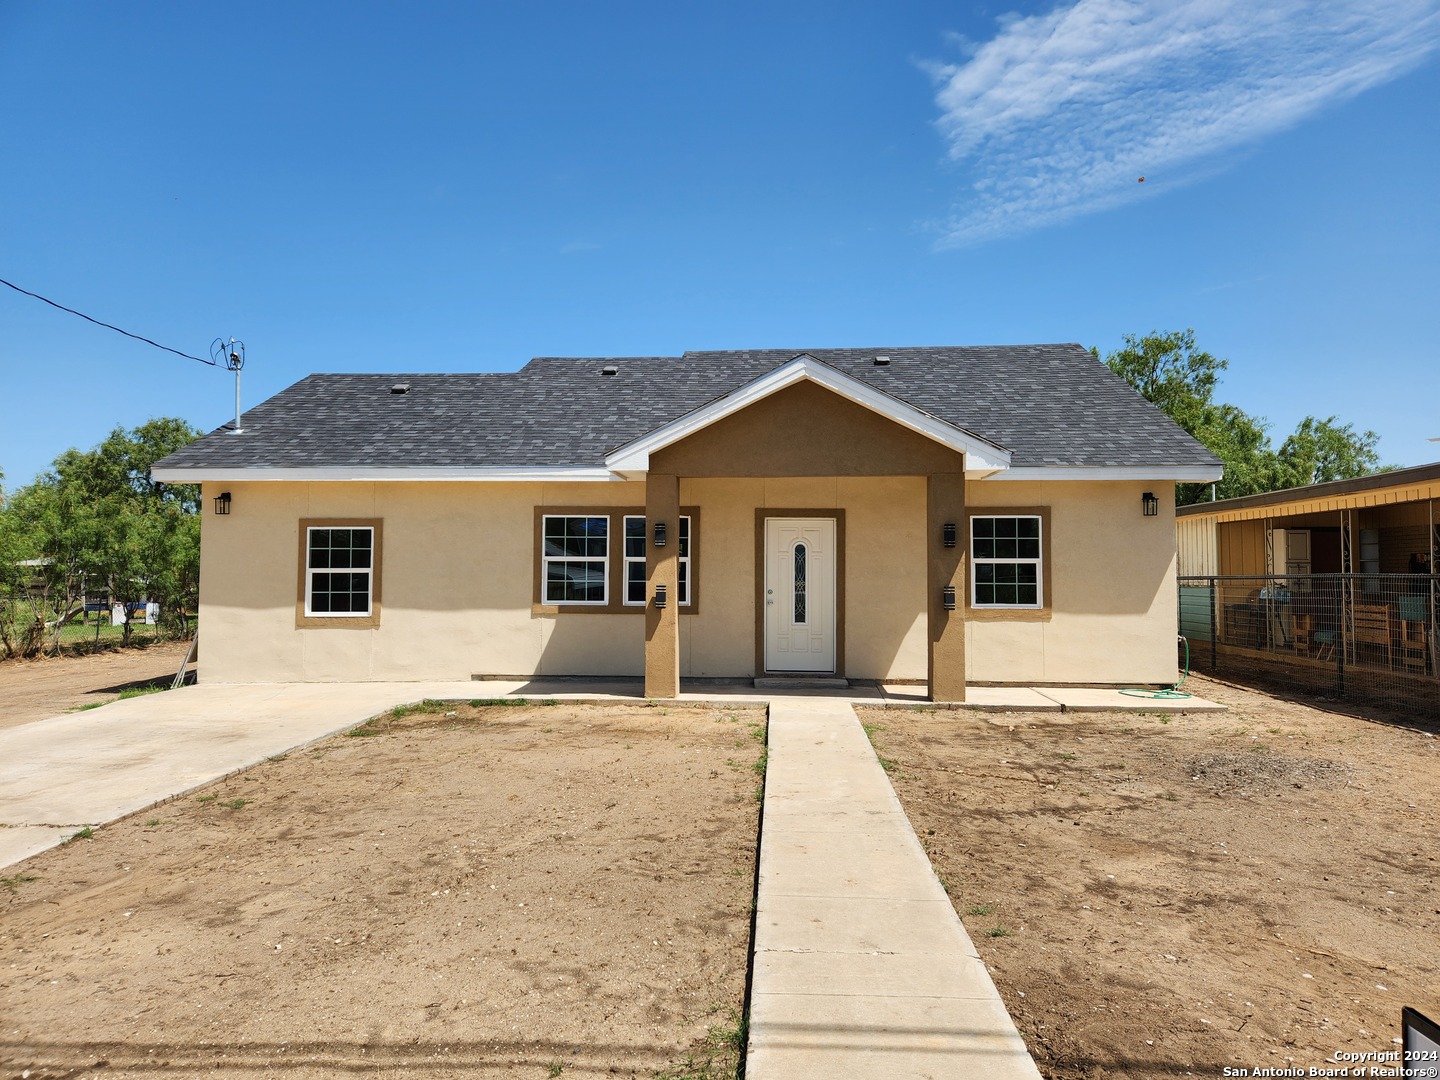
[
  {"x": 662, "y": 569},
  {"x": 945, "y": 498}
]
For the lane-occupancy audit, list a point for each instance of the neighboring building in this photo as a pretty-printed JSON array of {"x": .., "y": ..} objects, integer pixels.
[
  {"x": 1374, "y": 525},
  {"x": 1329, "y": 575},
  {"x": 948, "y": 515}
]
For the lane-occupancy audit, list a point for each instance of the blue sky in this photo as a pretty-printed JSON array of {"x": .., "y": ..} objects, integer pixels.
[{"x": 444, "y": 187}]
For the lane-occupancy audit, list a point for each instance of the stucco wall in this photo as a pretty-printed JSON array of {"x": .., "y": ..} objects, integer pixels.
[
  {"x": 459, "y": 557},
  {"x": 457, "y": 581},
  {"x": 456, "y": 586},
  {"x": 1112, "y": 594}
]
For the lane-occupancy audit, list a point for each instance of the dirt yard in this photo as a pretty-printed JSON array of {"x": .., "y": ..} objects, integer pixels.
[
  {"x": 49, "y": 686},
  {"x": 1160, "y": 897},
  {"x": 503, "y": 891}
]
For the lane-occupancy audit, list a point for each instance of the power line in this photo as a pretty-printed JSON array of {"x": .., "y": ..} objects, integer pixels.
[{"x": 107, "y": 326}]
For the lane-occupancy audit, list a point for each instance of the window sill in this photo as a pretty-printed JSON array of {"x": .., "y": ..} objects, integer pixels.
[
  {"x": 974, "y": 614},
  {"x": 337, "y": 622}
]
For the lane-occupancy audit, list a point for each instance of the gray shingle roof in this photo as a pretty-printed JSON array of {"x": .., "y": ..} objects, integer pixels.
[{"x": 1050, "y": 405}]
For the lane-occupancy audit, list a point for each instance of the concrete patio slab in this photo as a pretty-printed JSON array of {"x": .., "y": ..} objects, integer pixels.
[
  {"x": 1090, "y": 699},
  {"x": 1007, "y": 697}
]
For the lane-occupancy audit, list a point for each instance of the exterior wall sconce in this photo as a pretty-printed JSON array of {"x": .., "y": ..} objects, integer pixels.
[
  {"x": 660, "y": 534},
  {"x": 1149, "y": 504},
  {"x": 947, "y": 597},
  {"x": 222, "y": 503},
  {"x": 948, "y": 534},
  {"x": 659, "y": 597}
]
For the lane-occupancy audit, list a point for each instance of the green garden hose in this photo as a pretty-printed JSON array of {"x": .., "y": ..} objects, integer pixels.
[{"x": 1173, "y": 693}]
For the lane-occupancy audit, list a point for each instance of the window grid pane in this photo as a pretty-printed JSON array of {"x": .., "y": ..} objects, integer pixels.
[
  {"x": 339, "y": 562},
  {"x": 577, "y": 537},
  {"x": 636, "y": 582},
  {"x": 576, "y": 556},
  {"x": 1006, "y": 555}
]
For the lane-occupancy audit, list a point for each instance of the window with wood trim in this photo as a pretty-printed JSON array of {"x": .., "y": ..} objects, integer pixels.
[
  {"x": 1006, "y": 564},
  {"x": 575, "y": 556},
  {"x": 339, "y": 571},
  {"x": 636, "y": 537}
]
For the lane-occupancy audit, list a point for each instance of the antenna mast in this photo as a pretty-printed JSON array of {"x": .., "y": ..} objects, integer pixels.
[{"x": 232, "y": 354}]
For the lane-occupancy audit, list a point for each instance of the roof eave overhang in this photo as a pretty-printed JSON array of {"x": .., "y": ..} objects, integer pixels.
[
  {"x": 1180, "y": 474},
  {"x": 982, "y": 457},
  {"x": 195, "y": 474}
]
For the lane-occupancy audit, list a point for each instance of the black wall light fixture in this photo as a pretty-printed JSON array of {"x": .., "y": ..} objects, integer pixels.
[
  {"x": 222, "y": 503},
  {"x": 659, "y": 597},
  {"x": 1149, "y": 504},
  {"x": 948, "y": 534},
  {"x": 660, "y": 534},
  {"x": 947, "y": 597}
]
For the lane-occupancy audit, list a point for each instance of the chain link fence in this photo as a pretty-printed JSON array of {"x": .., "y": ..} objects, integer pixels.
[{"x": 1361, "y": 636}]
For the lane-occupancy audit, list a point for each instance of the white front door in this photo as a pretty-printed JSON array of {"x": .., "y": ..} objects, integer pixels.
[{"x": 799, "y": 594}]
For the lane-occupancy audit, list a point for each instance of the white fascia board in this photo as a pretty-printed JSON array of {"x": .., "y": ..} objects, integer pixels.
[
  {"x": 194, "y": 474},
  {"x": 1180, "y": 474},
  {"x": 982, "y": 454}
]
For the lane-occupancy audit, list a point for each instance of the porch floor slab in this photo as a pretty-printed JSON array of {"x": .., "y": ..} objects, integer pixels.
[
  {"x": 862, "y": 968},
  {"x": 1012, "y": 698},
  {"x": 1091, "y": 699}
]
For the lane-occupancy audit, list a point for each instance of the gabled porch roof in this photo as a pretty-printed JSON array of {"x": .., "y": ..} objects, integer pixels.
[{"x": 982, "y": 457}]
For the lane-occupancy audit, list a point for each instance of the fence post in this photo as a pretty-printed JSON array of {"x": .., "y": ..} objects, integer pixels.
[
  {"x": 1214, "y": 654},
  {"x": 1342, "y": 640}
]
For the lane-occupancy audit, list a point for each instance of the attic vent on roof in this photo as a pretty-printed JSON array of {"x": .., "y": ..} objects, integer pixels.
[
  {"x": 882, "y": 361},
  {"x": 610, "y": 369},
  {"x": 400, "y": 388}
]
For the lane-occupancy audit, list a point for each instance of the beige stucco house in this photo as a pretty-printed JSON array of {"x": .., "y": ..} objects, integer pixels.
[{"x": 938, "y": 515}]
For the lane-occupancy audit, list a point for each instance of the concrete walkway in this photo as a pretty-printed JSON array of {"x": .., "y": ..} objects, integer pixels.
[{"x": 862, "y": 968}]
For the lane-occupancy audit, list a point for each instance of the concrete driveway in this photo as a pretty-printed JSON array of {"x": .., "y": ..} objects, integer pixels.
[{"x": 87, "y": 768}]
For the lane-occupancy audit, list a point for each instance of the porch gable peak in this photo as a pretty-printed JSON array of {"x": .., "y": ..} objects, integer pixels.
[{"x": 982, "y": 456}]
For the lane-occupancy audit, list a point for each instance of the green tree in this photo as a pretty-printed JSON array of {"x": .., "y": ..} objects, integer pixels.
[
  {"x": 143, "y": 539},
  {"x": 100, "y": 522},
  {"x": 1322, "y": 450},
  {"x": 22, "y": 620},
  {"x": 1169, "y": 371}
]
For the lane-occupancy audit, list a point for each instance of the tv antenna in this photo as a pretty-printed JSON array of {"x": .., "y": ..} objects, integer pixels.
[{"x": 232, "y": 354}]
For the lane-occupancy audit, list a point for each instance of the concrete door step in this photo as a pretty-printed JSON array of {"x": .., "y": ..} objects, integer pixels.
[{"x": 802, "y": 682}]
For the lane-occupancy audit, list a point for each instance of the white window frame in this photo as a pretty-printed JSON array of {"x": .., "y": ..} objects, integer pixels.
[
  {"x": 1038, "y": 562},
  {"x": 546, "y": 559},
  {"x": 686, "y": 586},
  {"x": 311, "y": 571}
]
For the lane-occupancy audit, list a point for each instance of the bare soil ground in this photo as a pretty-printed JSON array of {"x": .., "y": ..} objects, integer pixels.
[
  {"x": 502, "y": 891},
  {"x": 48, "y": 686},
  {"x": 1160, "y": 897}
]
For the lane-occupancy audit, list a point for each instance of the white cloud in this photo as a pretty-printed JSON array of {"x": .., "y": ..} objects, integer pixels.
[{"x": 1060, "y": 114}]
